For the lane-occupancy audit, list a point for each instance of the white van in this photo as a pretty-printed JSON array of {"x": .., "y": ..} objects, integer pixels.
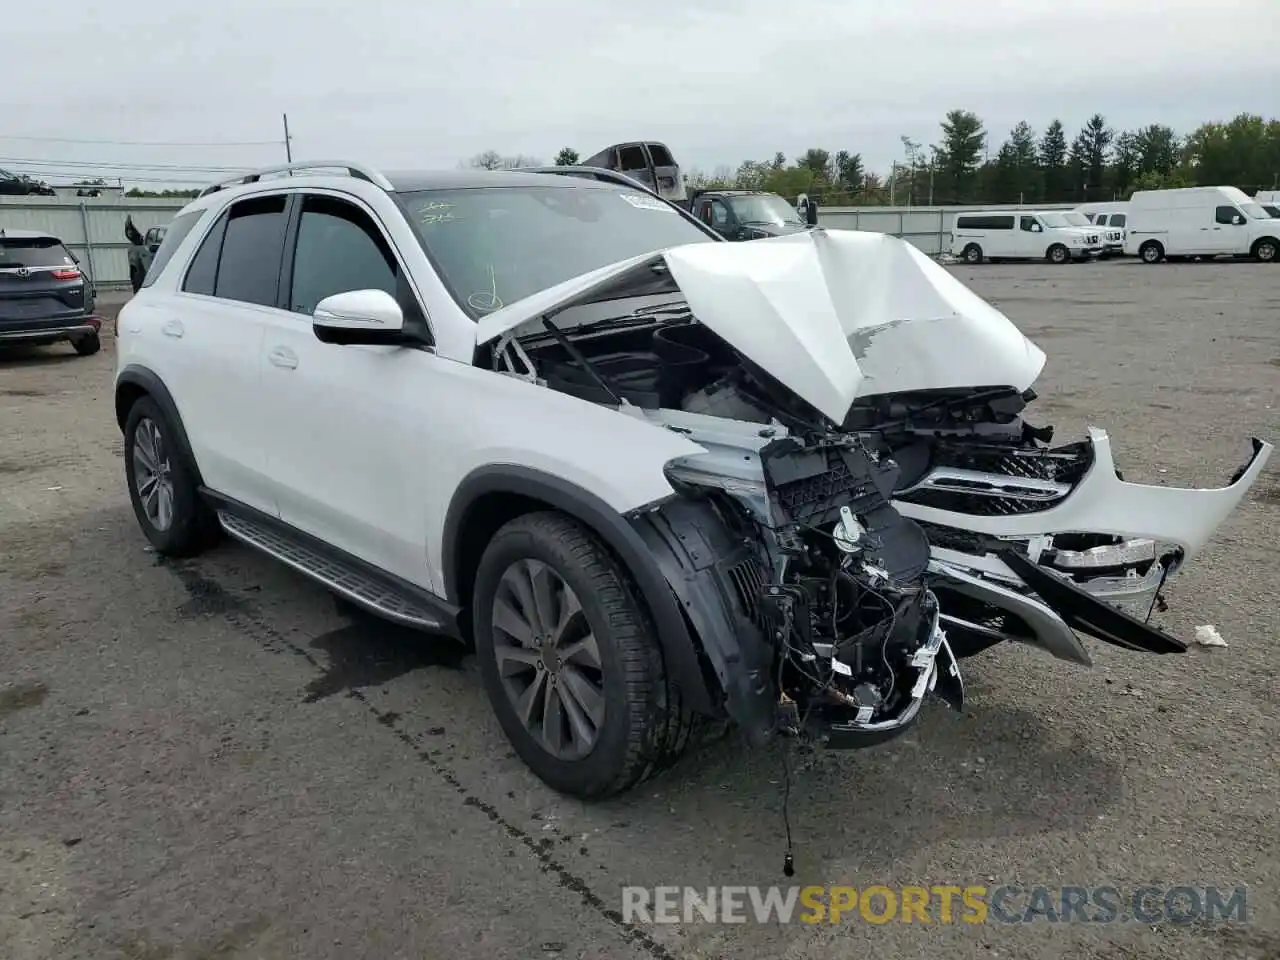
[
  {"x": 1268, "y": 200},
  {"x": 1021, "y": 235},
  {"x": 1199, "y": 222},
  {"x": 1111, "y": 238},
  {"x": 1111, "y": 217}
]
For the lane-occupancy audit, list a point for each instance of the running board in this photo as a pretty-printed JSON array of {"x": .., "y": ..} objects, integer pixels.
[{"x": 365, "y": 587}]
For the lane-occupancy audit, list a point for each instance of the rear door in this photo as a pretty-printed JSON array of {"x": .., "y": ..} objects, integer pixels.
[
  {"x": 212, "y": 332},
  {"x": 40, "y": 284},
  {"x": 666, "y": 172}
]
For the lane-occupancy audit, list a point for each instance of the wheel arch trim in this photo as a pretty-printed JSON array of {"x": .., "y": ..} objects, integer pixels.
[
  {"x": 150, "y": 384},
  {"x": 614, "y": 529}
]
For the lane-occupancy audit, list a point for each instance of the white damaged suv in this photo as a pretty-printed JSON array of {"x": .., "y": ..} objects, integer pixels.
[{"x": 649, "y": 474}]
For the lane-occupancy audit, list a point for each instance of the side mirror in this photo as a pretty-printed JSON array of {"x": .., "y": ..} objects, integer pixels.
[
  {"x": 1238, "y": 220},
  {"x": 1036, "y": 228},
  {"x": 359, "y": 316}
]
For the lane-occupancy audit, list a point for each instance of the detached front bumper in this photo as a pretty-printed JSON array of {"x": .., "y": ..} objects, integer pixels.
[{"x": 1143, "y": 534}]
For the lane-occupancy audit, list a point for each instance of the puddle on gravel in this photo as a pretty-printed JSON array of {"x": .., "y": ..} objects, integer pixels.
[{"x": 369, "y": 652}]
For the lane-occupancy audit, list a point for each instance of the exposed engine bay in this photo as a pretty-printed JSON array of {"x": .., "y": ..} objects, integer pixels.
[{"x": 855, "y": 558}]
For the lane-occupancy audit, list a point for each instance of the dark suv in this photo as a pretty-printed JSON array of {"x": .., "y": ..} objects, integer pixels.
[{"x": 44, "y": 296}]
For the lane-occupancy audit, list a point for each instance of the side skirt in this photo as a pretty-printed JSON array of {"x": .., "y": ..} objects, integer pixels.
[{"x": 370, "y": 587}]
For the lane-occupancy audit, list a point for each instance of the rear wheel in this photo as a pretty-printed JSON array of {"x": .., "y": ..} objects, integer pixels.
[
  {"x": 87, "y": 345},
  {"x": 972, "y": 253},
  {"x": 570, "y": 660},
  {"x": 1265, "y": 250},
  {"x": 1058, "y": 254},
  {"x": 1151, "y": 252},
  {"x": 162, "y": 485}
]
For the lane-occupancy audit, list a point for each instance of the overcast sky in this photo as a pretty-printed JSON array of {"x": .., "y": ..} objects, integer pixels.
[{"x": 426, "y": 83}]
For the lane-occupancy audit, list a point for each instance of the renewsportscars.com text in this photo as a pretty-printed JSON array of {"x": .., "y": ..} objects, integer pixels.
[{"x": 937, "y": 904}]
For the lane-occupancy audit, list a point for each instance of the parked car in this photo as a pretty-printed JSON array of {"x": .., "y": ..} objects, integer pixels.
[
  {"x": 648, "y": 162},
  {"x": 142, "y": 249},
  {"x": 1022, "y": 235},
  {"x": 650, "y": 475},
  {"x": 1269, "y": 200},
  {"x": 20, "y": 185},
  {"x": 1199, "y": 222},
  {"x": 1112, "y": 235},
  {"x": 746, "y": 214},
  {"x": 44, "y": 296}
]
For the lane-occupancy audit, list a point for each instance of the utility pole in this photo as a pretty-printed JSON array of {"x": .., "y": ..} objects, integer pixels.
[{"x": 288, "y": 147}]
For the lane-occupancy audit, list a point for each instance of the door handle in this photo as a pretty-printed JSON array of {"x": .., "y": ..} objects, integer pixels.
[
  {"x": 283, "y": 357},
  {"x": 173, "y": 328}
]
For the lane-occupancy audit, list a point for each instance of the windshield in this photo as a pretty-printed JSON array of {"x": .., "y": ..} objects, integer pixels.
[
  {"x": 764, "y": 208},
  {"x": 1255, "y": 211},
  {"x": 1055, "y": 220},
  {"x": 38, "y": 252},
  {"x": 1075, "y": 219},
  {"x": 495, "y": 245}
]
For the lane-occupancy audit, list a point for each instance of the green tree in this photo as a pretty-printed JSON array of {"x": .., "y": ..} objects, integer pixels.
[
  {"x": 779, "y": 160},
  {"x": 1124, "y": 161},
  {"x": 1158, "y": 149},
  {"x": 959, "y": 153},
  {"x": 849, "y": 171},
  {"x": 819, "y": 161},
  {"x": 1098, "y": 137},
  {"x": 567, "y": 157},
  {"x": 1053, "y": 160}
]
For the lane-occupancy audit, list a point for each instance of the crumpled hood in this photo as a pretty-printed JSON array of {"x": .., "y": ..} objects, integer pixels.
[{"x": 832, "y": 314}]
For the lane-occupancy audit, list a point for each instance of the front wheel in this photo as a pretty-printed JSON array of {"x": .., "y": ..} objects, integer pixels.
[
  {"x": 1058, "y": 254},
  {"x": 570, "y": 660},
  {"x": 1151, "y": 252},
  {"x": 1265, "y": 250}
]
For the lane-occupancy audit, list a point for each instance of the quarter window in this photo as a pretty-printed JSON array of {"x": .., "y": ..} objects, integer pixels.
[
  {"x": 177, "y": 232},
  {"x": 339, "y": 249}
]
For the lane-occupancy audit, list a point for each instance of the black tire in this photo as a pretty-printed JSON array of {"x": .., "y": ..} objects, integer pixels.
[
  {"x": 971, "y": 254},
  {"x": 645, "y": 727},
  {"x": 1151, "y": 252},
  {"x": 193, "y": 526},
  {"x": 87, "y": 345},
  {"x": 1058, "y": 254},
  {"x": 1265, "y": 249}
]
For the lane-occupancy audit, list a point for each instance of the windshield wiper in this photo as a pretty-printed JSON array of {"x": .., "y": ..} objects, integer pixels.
[{"x": 578, "y": 355}]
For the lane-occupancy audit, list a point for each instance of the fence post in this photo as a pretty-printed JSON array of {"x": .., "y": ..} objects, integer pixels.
[{"x": 88, "y": 244}]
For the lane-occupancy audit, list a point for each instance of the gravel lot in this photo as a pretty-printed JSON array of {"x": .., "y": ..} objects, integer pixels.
[{"x": 211, "y": 760}]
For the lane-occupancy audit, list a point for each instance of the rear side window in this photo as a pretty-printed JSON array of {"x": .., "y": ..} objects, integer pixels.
[
  {"x": 34, "y": 252},
  {"x": 1118, "y": 219},
  {"x": 252, "y": 247},
  {"x": 661, "y": 155},
  {"x": 979, "y": 222},
  {"x": 339, "y": 249},
  {"x": 176, "y": 233}
]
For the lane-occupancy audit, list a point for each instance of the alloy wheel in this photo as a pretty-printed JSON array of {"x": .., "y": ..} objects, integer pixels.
[
  {"x": 548, "y": 659},
  {"x": 153, "y": 474}
]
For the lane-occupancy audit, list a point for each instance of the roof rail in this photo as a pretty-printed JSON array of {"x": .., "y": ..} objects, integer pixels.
[{"x": 357, "y": 170}]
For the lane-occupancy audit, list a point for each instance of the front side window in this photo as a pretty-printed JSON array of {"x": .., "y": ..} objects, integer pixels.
[
  {"x": 177, "y": 231},
  {"x": 249, "y": 268},
  {"x": 1029, "y": 224},
  {"x": 339, "y": 249},
  {"x": 495, "y": 245},
  {"x": 719, "y": 214},
  {"x": 1227, "y": 215}
]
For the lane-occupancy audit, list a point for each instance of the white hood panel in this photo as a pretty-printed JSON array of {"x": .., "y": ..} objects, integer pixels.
[{"x": 832, "y": 314}]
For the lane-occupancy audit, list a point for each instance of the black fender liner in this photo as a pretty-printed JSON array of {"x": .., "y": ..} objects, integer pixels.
[
  {"x": 678, "y": 648},
  {"x": 718, "y": 580},
  {"x": 147, "y": 381}
]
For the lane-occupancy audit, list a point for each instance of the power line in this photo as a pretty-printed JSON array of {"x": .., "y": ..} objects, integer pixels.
[
  {"x": 117, "y": 165},
  {"x": 146, "y": 143}
]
